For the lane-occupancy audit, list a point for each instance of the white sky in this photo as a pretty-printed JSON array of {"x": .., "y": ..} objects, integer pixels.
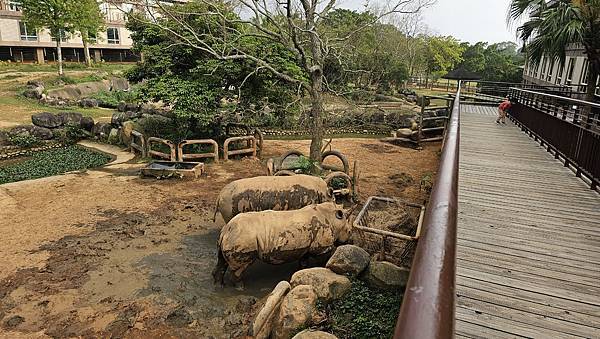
[
  {"x": 471, "y": 20},
  {"x": 467, "y": 20}
]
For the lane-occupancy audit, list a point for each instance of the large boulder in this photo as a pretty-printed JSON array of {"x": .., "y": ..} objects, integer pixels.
[
  {"x": 71, "y": 118},
  {"x": 311, "y": 334},
  {"x": 36, "y": 131},
  {"x": 101, "y": 129},
  {"x": 119, "y": 118},
  {"x": 47, "y": 120},
  {"x": 35, "y": 83},
  {"x": 295, "y": 311},
  {"x": 349, "y": 259},
  {"x": 387, "y": 276},
  {"x": 33, "y": 92},
  {"x": 87, "y": 123},
  {"x": 126, "y": 130},
  {"x": 119, "y": 84},
  {"x": 114, "y": 137},
  {"x": 327, "y": 284},
  {"x": 88, "y": 103}
]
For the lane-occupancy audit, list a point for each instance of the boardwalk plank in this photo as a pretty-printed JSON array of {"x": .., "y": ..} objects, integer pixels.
[{"x": 528, "y": 238}]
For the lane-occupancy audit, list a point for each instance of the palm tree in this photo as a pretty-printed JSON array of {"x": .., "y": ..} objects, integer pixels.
[{"x": 550, "y": 26}]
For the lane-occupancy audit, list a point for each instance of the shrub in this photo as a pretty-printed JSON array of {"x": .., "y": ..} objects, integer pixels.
[
  {"x": 364, "y": 312},
  {"x": 113, "y": 98},
  {"x": 24, "y": 140},
  {"x": 71, "y": 134}
]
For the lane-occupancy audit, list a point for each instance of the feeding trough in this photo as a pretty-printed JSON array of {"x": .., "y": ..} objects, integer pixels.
[{"x": 173, "y": 169}]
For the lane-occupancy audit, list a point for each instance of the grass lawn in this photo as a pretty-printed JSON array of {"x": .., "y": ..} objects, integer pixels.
[{"x": 16, "y": 110}]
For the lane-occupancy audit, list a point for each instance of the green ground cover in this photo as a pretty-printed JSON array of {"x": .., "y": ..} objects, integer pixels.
[{"x": 51, "y": 162}]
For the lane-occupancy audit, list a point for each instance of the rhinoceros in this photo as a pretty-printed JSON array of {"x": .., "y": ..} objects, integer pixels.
[
  {"x": 271, "y": 193},
  {"x": 277, "y": 237}
]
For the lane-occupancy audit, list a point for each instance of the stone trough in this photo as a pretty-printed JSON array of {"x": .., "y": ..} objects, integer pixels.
[{"x": 170, "y": 169}]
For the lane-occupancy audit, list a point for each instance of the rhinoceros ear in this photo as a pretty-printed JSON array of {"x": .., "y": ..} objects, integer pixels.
[{"x": 339, "y": 214}]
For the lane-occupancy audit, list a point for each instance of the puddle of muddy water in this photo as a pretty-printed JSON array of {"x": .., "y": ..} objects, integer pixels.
[{"x": 186, "y": 278}]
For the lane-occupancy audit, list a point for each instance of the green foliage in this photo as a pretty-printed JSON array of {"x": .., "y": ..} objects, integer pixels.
[
  {"x": 24, "y": 140},
  {"x": 364, "y": 312},
  {"x": 71, "y": 134},
  {"x": 195, "y": 82},
  {"x": 89, "y": 20},
  {"x": 441, "y": 55},
  {"x": 496, "y": 62},
  {"x": 52, "y": 162},
  {"x": 306, "y": 165}
]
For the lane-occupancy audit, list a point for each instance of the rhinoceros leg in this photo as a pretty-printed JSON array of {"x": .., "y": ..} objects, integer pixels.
[{"x": 219, "y": 271}]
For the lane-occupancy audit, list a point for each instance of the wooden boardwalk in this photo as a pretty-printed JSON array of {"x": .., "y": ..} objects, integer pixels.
[{"x": 528, "y": 256}]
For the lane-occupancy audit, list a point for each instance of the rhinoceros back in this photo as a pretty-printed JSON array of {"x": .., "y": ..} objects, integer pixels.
[{"x": 271, "y": 193}]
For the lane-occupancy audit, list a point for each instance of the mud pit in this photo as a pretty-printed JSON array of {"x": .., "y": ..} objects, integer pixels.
[{"x": 105, "y": 253}]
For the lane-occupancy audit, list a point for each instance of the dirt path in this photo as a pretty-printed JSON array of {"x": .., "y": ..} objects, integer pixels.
[{"x": 106, "y": 253}]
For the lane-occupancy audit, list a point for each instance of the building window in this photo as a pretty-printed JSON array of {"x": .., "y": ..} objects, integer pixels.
[
  {"x": 550, "y": 71},
  {"x": 584, "y": 73},
  {"x": 14, "y": 5},
  {"x": 112, "y": 36},
  {"x": 26, "y": 33},
  {"x": 64, "y": 36},
  {"x": 559, "y": 75},
  {"x": 570, "y": 70}
]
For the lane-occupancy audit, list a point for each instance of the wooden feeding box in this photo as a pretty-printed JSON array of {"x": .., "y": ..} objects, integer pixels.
[
  {"x": 173, "y": 169},
  {"x": 390, "y": 228}
]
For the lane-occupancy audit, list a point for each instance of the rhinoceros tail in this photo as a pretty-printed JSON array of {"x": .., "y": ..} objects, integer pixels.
[{"x": 216, "y": 209}]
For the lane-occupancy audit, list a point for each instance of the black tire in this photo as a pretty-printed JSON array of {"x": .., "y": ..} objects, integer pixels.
[
  {"x": 285, "y": 156},
  {"x": 284, "y": 173},
  {"x": 338, "y": 155}
]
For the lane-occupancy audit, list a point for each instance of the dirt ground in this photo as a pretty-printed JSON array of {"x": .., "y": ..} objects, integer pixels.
[{"x": 105, "y": 253}]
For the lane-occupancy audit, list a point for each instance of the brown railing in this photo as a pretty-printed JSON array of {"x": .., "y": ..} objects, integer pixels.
[
  {"x": 568, "y": 128},
  {"x": 428, "y": 306}
]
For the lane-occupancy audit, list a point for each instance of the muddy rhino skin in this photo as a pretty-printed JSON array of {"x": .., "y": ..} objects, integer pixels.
[
  {"x": 271, "y": 193},
  {"x": 278, "y": 237}
]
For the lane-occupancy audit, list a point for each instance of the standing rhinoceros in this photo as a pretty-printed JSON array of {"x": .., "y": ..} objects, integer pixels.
[
  {"x": 271, "y": 193},
  {"x": 278, "y": 237}
]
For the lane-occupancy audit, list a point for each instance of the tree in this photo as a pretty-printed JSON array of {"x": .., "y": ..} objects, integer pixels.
[
  {"x": 550, "y": 27},
  {"x": 441, "y": 55},
  {"x": 58, "y": 16},
  {"x": 88, "y": 21},
  {"x": 496, "y": 62},
  {"x": 293, "y": 26}
]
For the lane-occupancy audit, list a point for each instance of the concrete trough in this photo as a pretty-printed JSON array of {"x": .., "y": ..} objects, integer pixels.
[{"x": 173, "y": 169}]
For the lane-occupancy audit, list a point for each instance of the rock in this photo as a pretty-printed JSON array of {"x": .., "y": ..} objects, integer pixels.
[
  {"x": 119, "y": 84},
  {"x": 88, "y": 103},
  {"x": 126, "y": 130},
  {"x": 101, "y": 129},
  {"x": 295, "y": 311},
  {"x": 327, "y": 284},
  {"x": 14, "y": 321},
  {"x": 114, "y": 137},
  {"x": 385, "y": 275},
  {"x": 121, "y": 107},
  {"x": 34, "y": 92},
  {"x": 35, "y": 83},
  {"x": 38, "y": 132},
  {"x": 71, "y": 118},
  {"x": 349, "y": 259},
  {"x": 47, "y": 120},
  {"x": 119, "y": 118},
  {"x": 87, "y": 123},
  {"x": 79, "y": 91},
  {"x": 423, "y": 100},
  {"x": 310, "y": 334},
  {"x": 179, "y": 318},
  {"x": 263, "y": 323}
]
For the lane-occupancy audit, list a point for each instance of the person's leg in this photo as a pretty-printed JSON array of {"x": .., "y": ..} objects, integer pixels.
[
  {"x": 503, "y": 117},
  {"x": 499, "y": 116}
]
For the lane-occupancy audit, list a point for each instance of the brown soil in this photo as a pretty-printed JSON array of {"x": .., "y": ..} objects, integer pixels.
[{"x": 105, "y": 253}]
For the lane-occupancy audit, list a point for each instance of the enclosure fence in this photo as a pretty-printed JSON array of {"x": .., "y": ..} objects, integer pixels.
[
  {"x": 568, "y": 128},
  {"x": 427, "y": 309}
]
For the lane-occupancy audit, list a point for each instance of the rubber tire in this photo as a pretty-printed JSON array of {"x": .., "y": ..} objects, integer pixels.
[{"x": 338, "y": 155}]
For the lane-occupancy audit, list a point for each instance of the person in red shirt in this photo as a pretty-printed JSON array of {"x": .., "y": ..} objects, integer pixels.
[{"x": 502, "y": 109}]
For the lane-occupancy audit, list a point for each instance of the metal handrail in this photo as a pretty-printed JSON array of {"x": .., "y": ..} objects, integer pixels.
[
  {"x": 561, "y": 98},
  {"x": 428, "y": 306}
]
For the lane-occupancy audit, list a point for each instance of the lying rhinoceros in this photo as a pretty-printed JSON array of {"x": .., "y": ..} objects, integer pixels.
[
  {"x": 278, "y": 237},
  {"x": 271, "y": 193}
]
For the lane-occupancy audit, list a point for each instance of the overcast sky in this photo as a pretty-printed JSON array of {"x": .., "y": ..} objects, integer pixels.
[
  {"x": 467, "y": 20},
  {"x": 470, "y": 20}
]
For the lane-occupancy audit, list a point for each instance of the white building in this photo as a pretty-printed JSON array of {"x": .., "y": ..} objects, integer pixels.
[
  {"x": 22, "y": 44},
  {"x": 573, "y": 74}
]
